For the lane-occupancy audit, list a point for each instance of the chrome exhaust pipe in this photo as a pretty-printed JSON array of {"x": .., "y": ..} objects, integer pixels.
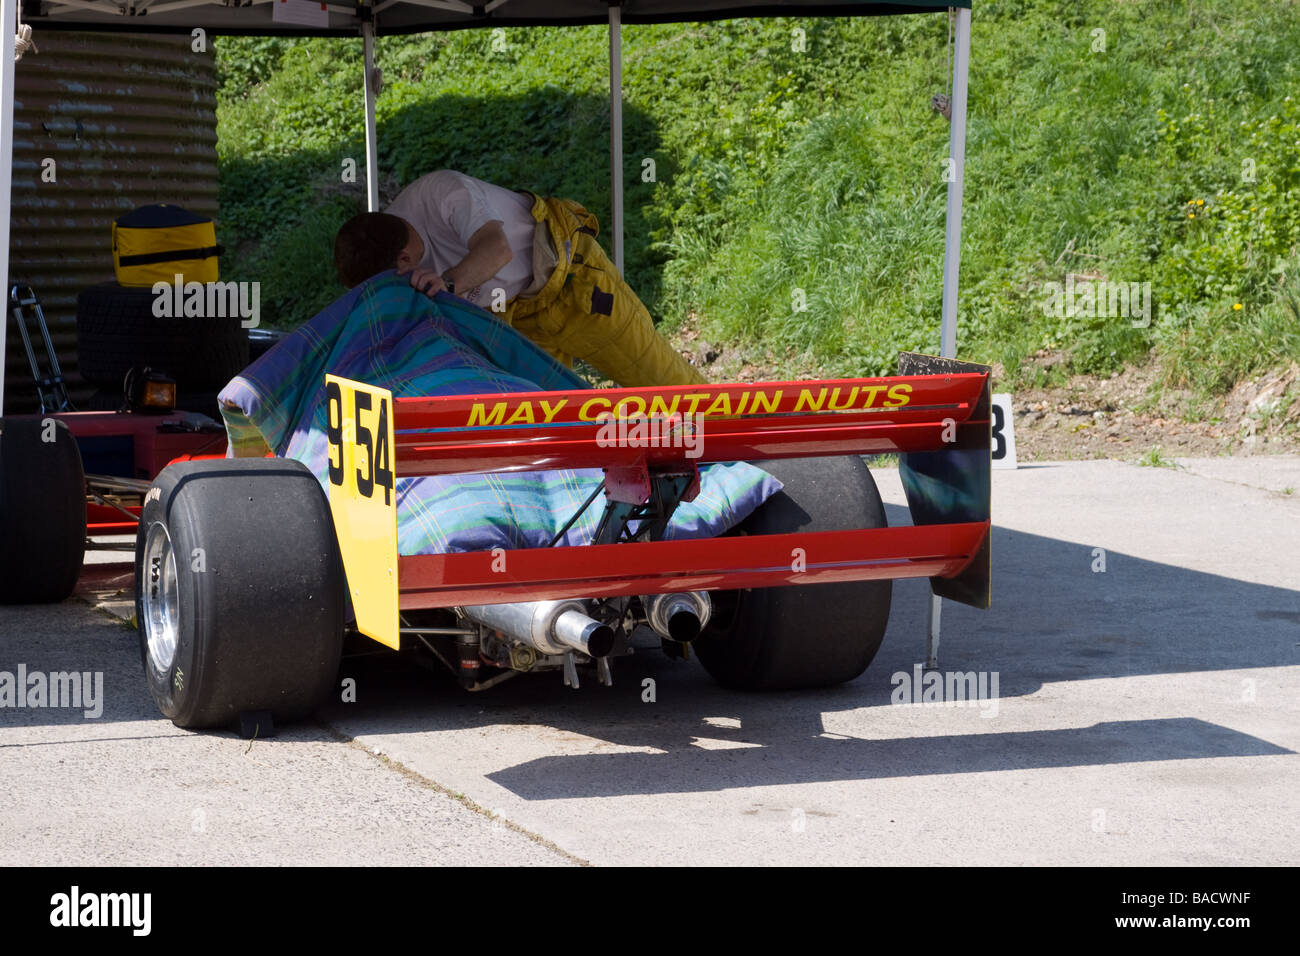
[
  {"x": 680, "y": 616},
  {"x": 552, "y": 627}
]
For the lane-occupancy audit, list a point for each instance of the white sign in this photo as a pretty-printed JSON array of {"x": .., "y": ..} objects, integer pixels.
[{"x": 1004, "y": 432}]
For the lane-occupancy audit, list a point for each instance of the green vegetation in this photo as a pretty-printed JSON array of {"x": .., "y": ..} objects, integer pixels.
[
  {"x": 1155, "y": 458},
  {"x": 1170, "y": 157}
]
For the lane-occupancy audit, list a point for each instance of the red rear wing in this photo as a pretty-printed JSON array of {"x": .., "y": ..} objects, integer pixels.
[
  {"x": 538, "y": 430},
  {"x": 923, "y": 417}
]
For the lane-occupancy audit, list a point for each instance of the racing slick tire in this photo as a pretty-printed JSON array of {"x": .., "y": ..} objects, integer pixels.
[
  {"x": 42, "y": 511},
  {"x": 814, "y": 635},
  {"x": 239, "y": 591}
]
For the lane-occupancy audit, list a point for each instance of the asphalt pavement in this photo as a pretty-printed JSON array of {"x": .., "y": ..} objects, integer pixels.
[{"x": 1144, "y": 642}]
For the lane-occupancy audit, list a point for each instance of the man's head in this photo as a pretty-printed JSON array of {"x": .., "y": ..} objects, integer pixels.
[{"x": 371, "y": 242}]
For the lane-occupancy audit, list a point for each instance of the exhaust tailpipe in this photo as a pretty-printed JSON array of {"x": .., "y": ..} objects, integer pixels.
[
  {"x": 552, "y": 627},
  {"x": 680, "y": 616}
]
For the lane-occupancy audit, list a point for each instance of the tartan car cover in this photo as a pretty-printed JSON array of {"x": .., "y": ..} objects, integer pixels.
[{"x": 385, "y": 333}]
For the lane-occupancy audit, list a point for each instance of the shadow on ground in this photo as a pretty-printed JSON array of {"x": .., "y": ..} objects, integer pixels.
[{"x": 1053, "y": 620}]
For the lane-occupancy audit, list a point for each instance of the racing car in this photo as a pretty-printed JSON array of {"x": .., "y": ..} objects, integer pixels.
[{"x": 250, "y": 575}]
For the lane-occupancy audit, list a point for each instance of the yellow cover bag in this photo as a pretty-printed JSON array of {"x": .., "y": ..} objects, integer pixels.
[{"x": 156, "y": 243}]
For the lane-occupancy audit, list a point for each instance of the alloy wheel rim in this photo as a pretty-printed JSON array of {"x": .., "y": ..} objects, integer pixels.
[{"x": 161, "y": 599}]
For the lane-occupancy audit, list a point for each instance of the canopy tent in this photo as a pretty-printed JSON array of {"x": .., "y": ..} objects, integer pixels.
[
  {"x": 341, "y": 18},
  {"x": 368, "y": 19}
]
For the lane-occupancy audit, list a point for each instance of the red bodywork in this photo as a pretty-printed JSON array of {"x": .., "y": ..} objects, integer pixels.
[
  {"x": 904, "y": 414},
  {"x": 140, "y": 446}
]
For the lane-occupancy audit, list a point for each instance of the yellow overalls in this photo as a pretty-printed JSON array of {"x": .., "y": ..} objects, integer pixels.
[{"x": 586, "y": 310}]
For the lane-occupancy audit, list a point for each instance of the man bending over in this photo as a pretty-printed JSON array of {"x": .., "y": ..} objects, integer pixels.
[{"x": 533, "y": 260}]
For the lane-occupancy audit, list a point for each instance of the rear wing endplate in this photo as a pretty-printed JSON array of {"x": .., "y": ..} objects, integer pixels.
[{"x": 953, "y": 485}]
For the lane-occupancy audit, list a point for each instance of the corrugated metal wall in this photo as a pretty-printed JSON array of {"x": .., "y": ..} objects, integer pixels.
[{"x": 128, "y": 119}]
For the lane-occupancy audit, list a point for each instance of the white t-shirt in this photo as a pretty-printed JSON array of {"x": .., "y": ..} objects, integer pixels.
[{"x": 446, "y": 208}]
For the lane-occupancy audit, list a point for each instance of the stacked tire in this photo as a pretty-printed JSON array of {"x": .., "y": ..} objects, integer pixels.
[
  {"x": 42, "y": 511},
  {"x": 117, "y": 330}
]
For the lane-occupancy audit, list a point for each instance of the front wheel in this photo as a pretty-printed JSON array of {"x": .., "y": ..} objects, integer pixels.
[
  {"x": 239, "y": 591},
  {"x": 813, "y": 635}
]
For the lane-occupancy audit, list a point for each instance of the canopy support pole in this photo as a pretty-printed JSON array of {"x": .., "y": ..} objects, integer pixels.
[
  {"x": 8, "y": 23},
  {"x": 952, "y": 249},
  {"x": 372, "y": 148},
  {"x": 616, "y": 129},
  {"x": 957, "y": 168}
]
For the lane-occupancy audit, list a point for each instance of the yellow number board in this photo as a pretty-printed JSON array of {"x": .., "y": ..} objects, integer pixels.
[{"x": 363, "y": 500}]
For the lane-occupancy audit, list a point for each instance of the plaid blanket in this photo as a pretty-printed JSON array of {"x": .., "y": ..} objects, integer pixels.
[{"x": 385, "y": 333}]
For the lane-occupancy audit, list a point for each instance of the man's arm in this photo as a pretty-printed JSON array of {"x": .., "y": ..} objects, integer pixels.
[{"x": 489, "y": 253}]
